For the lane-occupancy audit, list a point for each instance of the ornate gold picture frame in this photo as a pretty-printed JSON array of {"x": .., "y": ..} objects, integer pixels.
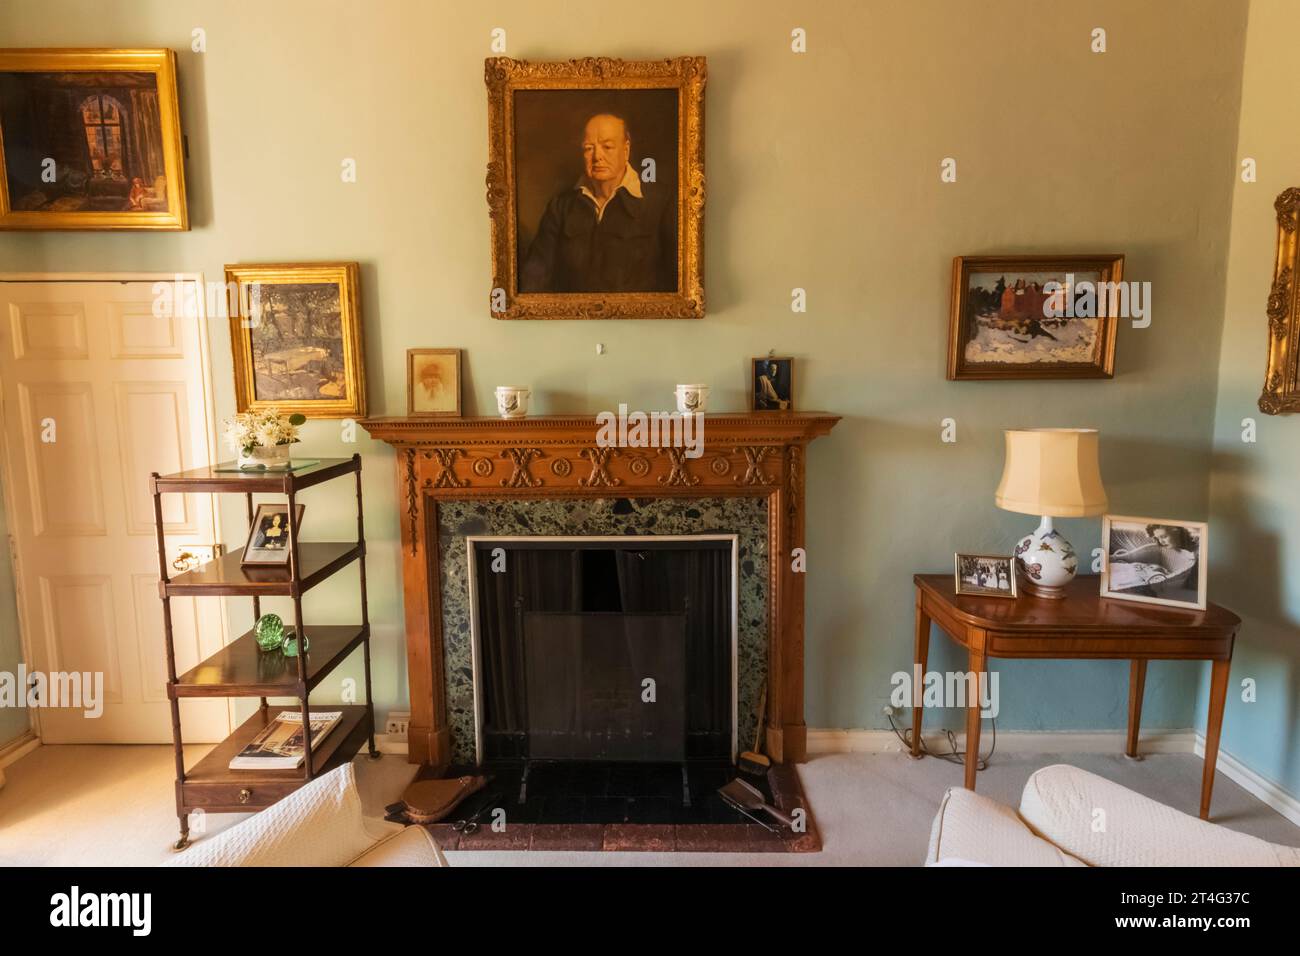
[
  {"x": 1282, "y": 375},
  {"x": 595, "y": 188},
  {"x": 90, "y": 139},
  {"x": 295, "y": 329}
]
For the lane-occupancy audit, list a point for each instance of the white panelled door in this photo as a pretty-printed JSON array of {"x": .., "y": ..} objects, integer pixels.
[{"x": 96, "y": 392}]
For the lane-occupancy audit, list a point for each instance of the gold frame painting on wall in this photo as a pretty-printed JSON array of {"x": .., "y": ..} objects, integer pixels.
[
  {"x": 1281, "y": 392},
  {"x": 557, "y": 131},
  {"x": 999, "y": 326},
  {"x": 90, "y": 139},
  {"x": 295, "y": 330}
]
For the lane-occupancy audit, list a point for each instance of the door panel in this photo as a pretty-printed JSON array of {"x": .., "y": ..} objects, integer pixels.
[{"x": 97, "y": 392}]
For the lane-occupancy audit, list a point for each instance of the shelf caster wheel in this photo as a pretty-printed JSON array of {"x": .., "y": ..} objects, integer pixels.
[
  {"x": 375, "y": 755},
  {"x": 181, "y": 844}
]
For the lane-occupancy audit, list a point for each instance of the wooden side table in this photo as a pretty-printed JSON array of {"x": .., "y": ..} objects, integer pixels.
[{"x": 1083, "y": 625}]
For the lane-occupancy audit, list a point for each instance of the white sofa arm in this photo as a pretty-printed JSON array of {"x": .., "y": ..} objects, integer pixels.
[
  {"x": 412, "y": 846},
  {"x": 1105, "y": 824},
  {"x": 973, "y": 830}
]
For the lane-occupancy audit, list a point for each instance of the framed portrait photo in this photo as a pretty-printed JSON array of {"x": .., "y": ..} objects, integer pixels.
[
  {"x": 1034, "y": 317},
  {"x": 771, "y": 384},
  {"x": 596, "y": 188},
  {"x": 268, "y": 537},
  {"x": 433, "y": 382},
  {"x": 1155, "y": 560},
  {"x": 1281, "y": 393},
  {"x": 90, "y": 139},
  {"x": 987, "y": 575},
  {"x": 296, "y": 333}
]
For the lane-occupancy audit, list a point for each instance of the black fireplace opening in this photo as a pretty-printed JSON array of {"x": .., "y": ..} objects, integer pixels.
[{"x": 604, "y": 652}]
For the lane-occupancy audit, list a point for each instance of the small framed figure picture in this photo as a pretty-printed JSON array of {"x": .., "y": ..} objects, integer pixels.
[
  {"x": 987, "y": 575},
  {"x": 771, "y": 384},
  {"x": 268, "y": 538},
  {"x": 1155, "y": 560},
  {"x": 433, "y": 382}
]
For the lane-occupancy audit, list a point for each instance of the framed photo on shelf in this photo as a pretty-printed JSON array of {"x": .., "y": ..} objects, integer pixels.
[
  {"x": 90, "y": 139},
  {"x": 771, "y": 384},
  {"x": 986, "y": 575},
  {"x": 1034, "y": 317},
  {"x": 268, "y": 538},
  {"x": 590, "y": 142},
  {"x": 296, "y": 333},
  {"x": 1155, "y": 560},
  {"x": 433, "y": 382}
]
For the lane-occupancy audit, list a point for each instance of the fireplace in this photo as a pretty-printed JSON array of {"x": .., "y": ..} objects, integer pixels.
[
  {"x": 752, "y": 462},
  {"x": 604, "y": 648}
]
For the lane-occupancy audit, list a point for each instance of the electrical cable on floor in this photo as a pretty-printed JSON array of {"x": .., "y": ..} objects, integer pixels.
[{"x": 954, "y": 756}]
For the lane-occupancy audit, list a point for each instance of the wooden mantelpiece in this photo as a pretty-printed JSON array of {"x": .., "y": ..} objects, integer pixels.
[{"x": 557, "y": 456}]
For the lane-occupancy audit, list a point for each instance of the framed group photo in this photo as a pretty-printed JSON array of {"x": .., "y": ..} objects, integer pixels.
[
  {"x": 1155, "y": 560},
  {"x": 1032, "y": 317},
  {"x": 987, "y": 575},
  {"x": 296, "y": 333},
  {"x": 596, "y": 188},
  {"x": 90, "y": 139}
]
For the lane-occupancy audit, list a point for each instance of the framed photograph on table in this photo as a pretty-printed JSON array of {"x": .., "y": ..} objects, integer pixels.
[
  {"x": 596, "y": 188},
  {"x": 986, "y": 575},
  {"x": 1034, "y": 317},
  {"x": 1155, "y": 560},
  {"x": 268, "y": 538},
  {"x": 433, "y": 382},
  {"x": 90, "y": 139},
  {"x": 296, "y": 333}
]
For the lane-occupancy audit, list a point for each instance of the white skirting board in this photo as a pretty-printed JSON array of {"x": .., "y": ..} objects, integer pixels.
[{"x": 1272, "y": 794}]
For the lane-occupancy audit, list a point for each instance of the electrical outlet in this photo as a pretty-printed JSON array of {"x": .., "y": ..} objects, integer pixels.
[{"x": 399, "y": 721}]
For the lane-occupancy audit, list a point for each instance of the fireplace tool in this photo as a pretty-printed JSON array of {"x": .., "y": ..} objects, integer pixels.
[{"x": 741, "y": 796}]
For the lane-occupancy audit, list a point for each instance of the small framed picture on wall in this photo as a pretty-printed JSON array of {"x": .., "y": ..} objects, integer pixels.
[
  {"x": 987, "y": 575},
  {"x": 268, "y": 538},
  {"x": 771, "y": 384},
  {"x": 1155, "y": 560},
  {"x": 433, "y": 382}
]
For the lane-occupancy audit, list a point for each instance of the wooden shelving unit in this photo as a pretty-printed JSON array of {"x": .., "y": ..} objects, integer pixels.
[{"x": 241, "y": 669}]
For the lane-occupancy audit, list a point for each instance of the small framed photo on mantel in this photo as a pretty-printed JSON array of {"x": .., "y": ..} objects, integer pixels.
[
  {"x": 771, "y": 384},
  {"x": 433, "y": 382},
  {"x": 985, "y": 575}
]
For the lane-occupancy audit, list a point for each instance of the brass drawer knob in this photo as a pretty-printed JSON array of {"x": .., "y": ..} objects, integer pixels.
[{"x": 245, "y": 795}]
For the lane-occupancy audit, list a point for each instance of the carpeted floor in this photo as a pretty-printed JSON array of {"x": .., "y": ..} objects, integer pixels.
[{"x": 98, "y": 805}]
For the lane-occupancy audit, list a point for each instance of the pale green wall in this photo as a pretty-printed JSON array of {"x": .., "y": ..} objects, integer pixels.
[
  {"x": 1255, "y": 502},
  {"x": 823, "y": 173}
]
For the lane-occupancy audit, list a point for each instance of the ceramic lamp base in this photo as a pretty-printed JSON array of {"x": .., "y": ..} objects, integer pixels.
[{"x": 1046, "y": 562}]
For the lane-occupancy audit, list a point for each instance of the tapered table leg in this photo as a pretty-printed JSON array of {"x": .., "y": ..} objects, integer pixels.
[
  {"x": 1213, "y": 724},
  {"x": 1137, "y": 680},
  {"x": 918, "y": 672},
  {"x": 978, "y": 664}
]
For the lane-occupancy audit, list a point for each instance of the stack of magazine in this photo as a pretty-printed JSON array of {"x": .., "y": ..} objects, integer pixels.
[{"x": 280, "y": 744}]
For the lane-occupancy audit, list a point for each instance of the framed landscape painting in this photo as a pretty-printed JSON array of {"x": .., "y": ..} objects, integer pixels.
[
  {"x": 90, "y": 139},
  {"x": 1033, "y": 317},
  {"x": 596, "y": 188},
  {"x": 296, "y": 334}
]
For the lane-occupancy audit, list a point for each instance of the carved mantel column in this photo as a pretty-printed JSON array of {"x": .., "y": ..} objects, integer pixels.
[{"x": 757, "y": 454}]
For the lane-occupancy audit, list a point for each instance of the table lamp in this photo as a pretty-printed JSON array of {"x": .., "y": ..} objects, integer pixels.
[{"x": 1054, "y": 473}]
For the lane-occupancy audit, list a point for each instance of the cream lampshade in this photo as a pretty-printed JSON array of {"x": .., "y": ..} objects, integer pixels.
[{"x": 1054, "y": 473}]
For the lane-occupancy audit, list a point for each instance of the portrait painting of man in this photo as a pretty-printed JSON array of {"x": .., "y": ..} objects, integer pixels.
[{"x": 596, "y": 188}]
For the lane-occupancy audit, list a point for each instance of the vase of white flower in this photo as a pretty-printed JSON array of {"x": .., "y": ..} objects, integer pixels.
[{"x": 262, "y": 438}]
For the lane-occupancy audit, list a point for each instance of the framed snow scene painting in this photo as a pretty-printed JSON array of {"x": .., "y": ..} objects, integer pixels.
[{"x": 1036, "y": 316}]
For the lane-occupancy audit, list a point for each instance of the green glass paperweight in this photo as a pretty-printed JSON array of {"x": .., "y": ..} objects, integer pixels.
[
  {"x": 290, "y": 647},
  {"x": 269, "y": 632}
]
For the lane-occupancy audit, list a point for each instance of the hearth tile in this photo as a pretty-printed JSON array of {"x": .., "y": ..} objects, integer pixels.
[
  {"x": 548, "y": 779},
  {"x": 642, "y": 837},
  {"x": 589, "y": 780},
  {"x": 447, "y": 838},
  {"x": 568, "y": 836},
  {"x": 808, "y": 842},
  {"x": 714, "y": 838},
  {"x": 516, "y": 837},
  {"x": 649, "y": 810},
  {"x": 627, "y": 781},
  {"x": 605, "y": 810},
  {"x": 558, "y": 809}
]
